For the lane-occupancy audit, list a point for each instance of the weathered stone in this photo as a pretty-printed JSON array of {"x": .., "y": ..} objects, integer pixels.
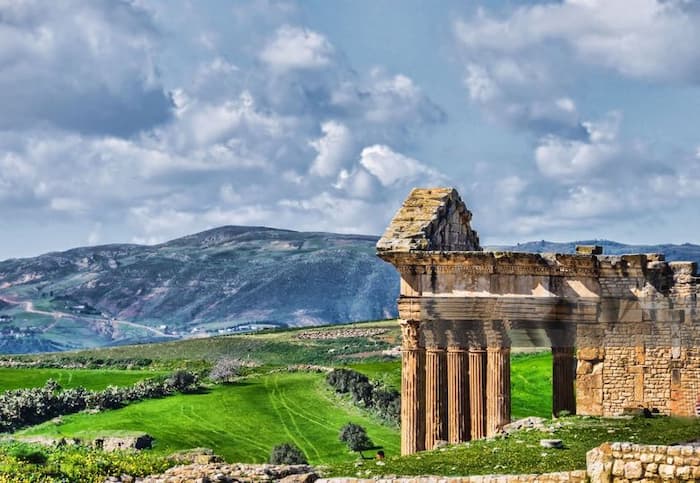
[
  {"x": 631, "y": 318},
  {"x": 667, "y": 471},
  {"x": 633, "y": 469}
]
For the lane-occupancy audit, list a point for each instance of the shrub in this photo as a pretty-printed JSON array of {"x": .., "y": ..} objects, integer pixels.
[
  {"x": 355, "y": 436},
  {"x": 386, "y": 403},
  {"x": 27, "y": 453},
  {"x": 182, "y": 381},
  {"x": 287, "y": 454},
  {"x": 224, "y": 370}
]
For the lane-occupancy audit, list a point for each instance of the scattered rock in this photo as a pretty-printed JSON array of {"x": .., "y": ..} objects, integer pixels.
[
  {"x": 551, "y": 443},
  {"x": 532, "y": 422},
  {"x": 222, "y": 472}
]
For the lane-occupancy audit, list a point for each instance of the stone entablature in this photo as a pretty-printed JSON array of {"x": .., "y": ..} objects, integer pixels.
[{"x": 623, "y": 329}]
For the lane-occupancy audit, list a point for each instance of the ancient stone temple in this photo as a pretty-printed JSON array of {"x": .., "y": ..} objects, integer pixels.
[{"x": 622, "y": 329}]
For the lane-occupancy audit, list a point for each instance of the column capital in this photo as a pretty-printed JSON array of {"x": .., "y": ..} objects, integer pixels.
[
  {"x": 457, "y": 349},
  {"x": 410, "y": 333}
]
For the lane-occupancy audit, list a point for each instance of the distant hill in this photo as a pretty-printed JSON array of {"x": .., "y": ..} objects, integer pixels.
[
  {"x": 219, "y": 281},
  {"x": 212, "y": 282},
  {"x": 684, "y": 252}
]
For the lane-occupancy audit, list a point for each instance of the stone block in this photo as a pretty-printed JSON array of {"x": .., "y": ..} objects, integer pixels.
[
  {"x": 683, "y": 472},
  {"x": 667, "y": 472},
  {"x": 633, "y": 469},
  {"x": 618, "y": 468}
]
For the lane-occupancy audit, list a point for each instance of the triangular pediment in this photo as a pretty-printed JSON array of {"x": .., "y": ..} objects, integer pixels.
[{"x": 431, "y": 219}]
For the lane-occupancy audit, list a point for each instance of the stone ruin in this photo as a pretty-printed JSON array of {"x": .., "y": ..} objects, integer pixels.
[{"x": 622, "y": 329}]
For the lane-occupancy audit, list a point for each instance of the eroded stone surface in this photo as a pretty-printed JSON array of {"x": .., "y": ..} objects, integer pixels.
[{"x": 630, "y": 322}]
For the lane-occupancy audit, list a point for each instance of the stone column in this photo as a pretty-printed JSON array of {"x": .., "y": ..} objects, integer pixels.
[
  {"x": 497, "y": 389},
  {"x": 412, "y": 389},
  {"x": 458, "y": 418},
  {"x": 563, "y": 379},
  {"x": 477, "y": 391},
  {"x": 435, "y": 396}
]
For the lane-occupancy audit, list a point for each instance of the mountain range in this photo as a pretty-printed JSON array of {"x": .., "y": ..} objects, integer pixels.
[{"x": 225, "y": 280}]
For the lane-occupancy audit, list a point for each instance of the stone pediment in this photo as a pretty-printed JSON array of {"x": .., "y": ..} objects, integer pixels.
[{"x": 431, "y": 219}]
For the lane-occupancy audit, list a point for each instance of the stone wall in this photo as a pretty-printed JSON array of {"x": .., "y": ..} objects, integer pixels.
[
  {"x": 560, "y": 477},
  {"x": 626, "y": 462}
]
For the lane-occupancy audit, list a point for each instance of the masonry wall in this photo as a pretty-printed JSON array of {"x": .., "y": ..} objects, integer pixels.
[{"x": 626, "y": 462}]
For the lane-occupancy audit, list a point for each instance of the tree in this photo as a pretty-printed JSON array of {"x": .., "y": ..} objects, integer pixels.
[
  {"x": 355, "y": 436},
  {"x": 224, "y": 370},
  {"x": 287, "y": 454},
  {"x": 182, "y": 381}
]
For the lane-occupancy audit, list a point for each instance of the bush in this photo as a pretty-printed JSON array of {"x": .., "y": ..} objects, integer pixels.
[
  {"x": 355, "y": 436},
  {"x": 386, "y": 403},
  {"x": 224, "y": 370},
  {"x": 182, "y": 381},
  {"x": 27, "y": 453},
  {"x": 287, "y": 454},
  {"x": 24, "y": 407}
]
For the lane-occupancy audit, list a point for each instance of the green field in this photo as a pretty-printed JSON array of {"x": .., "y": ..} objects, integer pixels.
[
  {"x": 241, "y": 422},
  {"x": 273, "y": 348},
  {"x": 94, "y": 379},
  {"x": 531, "y": 381}
]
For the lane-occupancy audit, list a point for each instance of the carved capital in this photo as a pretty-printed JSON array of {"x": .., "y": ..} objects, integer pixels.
[{"x": 410, "y": 334}]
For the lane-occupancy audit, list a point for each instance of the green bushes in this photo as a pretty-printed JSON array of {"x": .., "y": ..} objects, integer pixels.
[
  {"x": 20, "y": 462},
  {"x": 385, "y": 402},
  {"x": 24, "y": 407},
  {"x": 355, "y": 436},
  {"x": 287, "y": 454}
]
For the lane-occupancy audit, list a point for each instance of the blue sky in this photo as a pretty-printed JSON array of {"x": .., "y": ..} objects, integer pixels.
[{"x": 144, "y": 120}]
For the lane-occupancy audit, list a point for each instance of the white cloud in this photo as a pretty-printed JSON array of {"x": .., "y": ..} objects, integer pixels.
[
  {"x": 89, "y": 67},
  {"x": 297, "y": 48},
  {"x": 246, "y": 142},
  {"x": 570, "y": 160},
  {"x": 390, "y": 167},
  {"x": 653, "y": 40},
  {"x": 333, "y": 149}
]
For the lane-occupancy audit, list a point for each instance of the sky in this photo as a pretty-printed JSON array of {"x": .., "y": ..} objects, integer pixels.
[{"x": 141, "y": 121}]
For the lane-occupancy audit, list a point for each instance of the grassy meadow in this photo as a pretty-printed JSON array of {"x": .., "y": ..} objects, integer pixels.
[
  {"x": 240, "y": 421},
  {"x": 93, "y": 379},
  {"x": 269, "y": 405}
]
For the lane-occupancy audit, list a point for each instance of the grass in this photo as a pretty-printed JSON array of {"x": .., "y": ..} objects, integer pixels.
[
  {"x": 242, "y": 422},
  {"x": 521, "y": 452},
  {"x": 271, "y": 348},
  {"x": 94, "y": 379},
  {"x": 531, "y": 381}
]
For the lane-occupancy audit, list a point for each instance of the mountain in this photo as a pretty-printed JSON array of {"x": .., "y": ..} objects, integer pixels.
[
  {"x": 684, "y": 252},
  {"x": 217, "y": 281}
]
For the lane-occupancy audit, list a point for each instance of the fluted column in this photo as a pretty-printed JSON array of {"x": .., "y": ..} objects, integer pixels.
[
  {"x": 458, "y": 418},
  {"x": 497, "y": 389},
  {"x": 563, "y": 379},
  {"x": 412, "y": 389},
  {"x": 435, "y": 396},
  {"x": 477, "y": 391}
]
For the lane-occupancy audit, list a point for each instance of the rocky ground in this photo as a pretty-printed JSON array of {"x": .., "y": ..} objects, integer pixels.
[{"x": 222, "y": 472}]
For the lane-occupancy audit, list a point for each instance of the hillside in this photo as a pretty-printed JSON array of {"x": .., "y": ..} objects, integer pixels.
[{"x": 218, "y": 281}]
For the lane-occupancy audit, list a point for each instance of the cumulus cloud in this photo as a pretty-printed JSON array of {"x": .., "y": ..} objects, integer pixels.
[
  {"x": 88, "y": 67},
  {"x": 529, "y": 68},
  {"x": 654, "y": 40},
  {"x": 333, "y": 149},
  {"x": 297, "y": 48},
  {"x": 390, "y": 167},
  {"x": 272, "y": 132}
]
